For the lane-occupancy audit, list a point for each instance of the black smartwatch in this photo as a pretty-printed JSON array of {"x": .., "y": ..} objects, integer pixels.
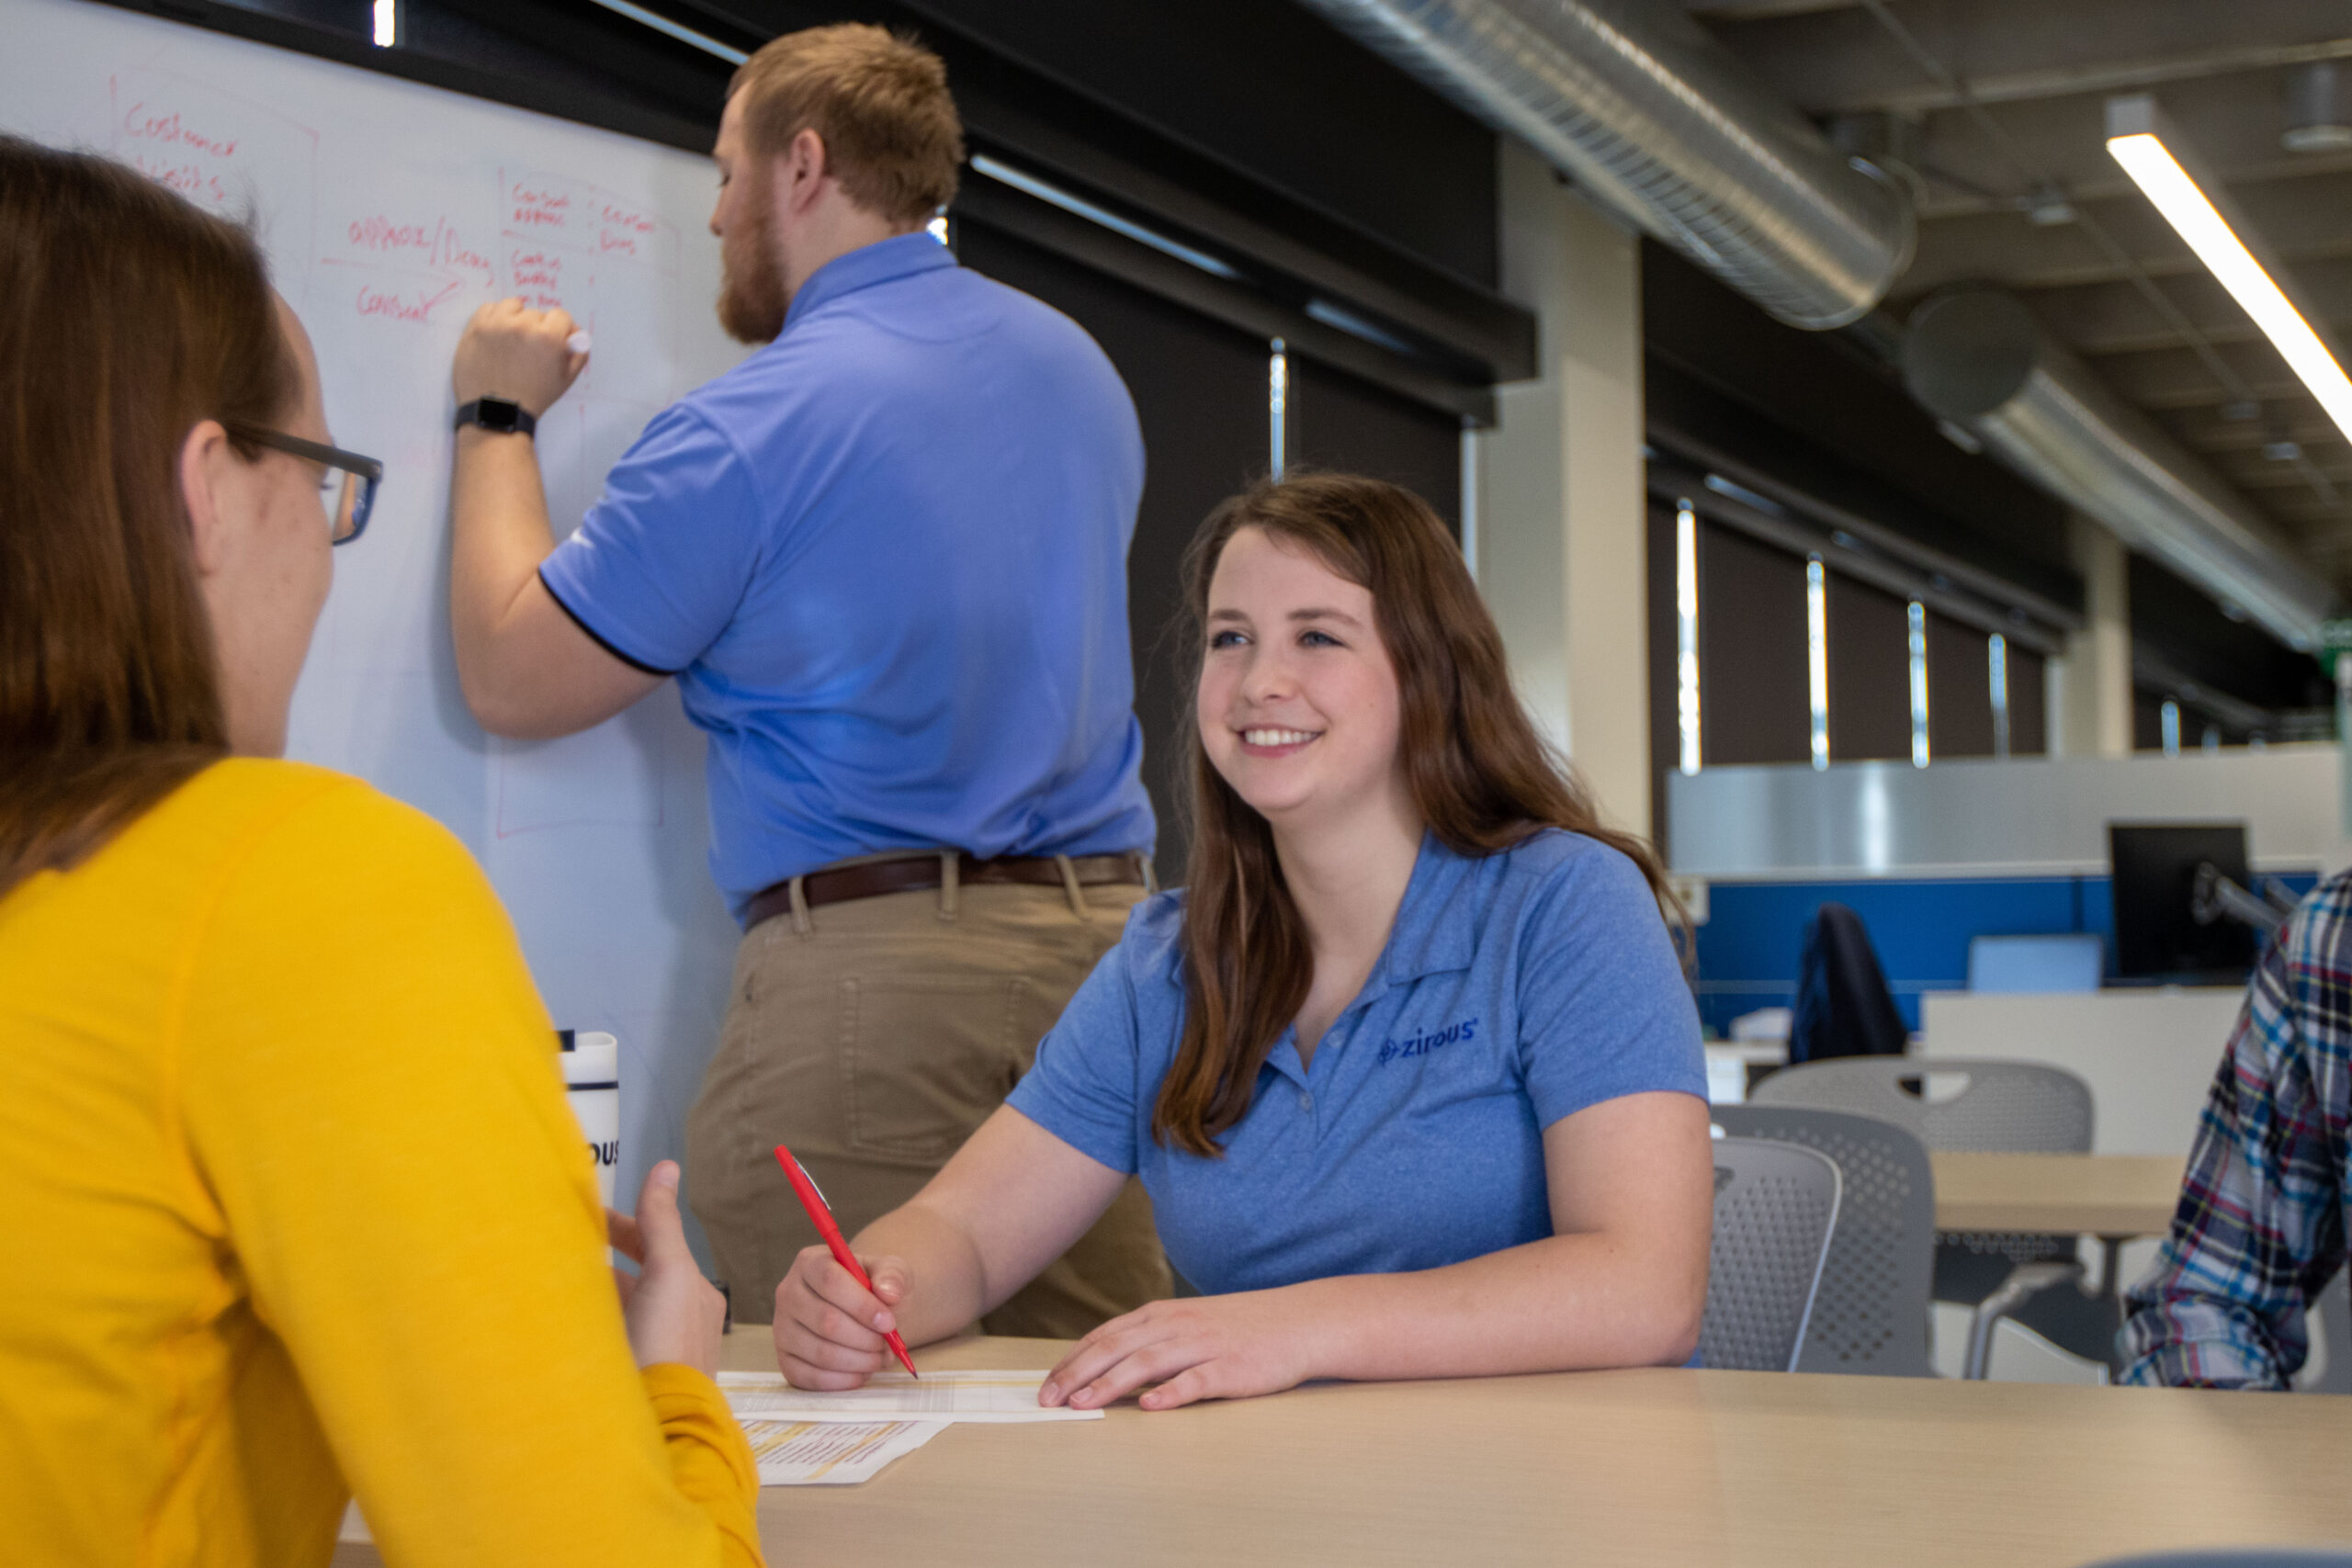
[{"x": 503, "y": 415}]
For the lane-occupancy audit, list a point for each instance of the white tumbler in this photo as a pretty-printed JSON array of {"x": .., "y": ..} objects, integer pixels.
[{"x": 591, "y": 1079}]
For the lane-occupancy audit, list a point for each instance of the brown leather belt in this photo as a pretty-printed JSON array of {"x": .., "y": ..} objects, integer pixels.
[{"x": 917, "y": 873}]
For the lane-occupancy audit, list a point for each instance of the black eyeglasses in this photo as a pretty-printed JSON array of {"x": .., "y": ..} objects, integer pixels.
[{"x": 359, "y": 476}]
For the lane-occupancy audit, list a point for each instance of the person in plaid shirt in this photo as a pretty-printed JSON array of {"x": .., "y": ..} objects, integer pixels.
[{"x": 2263, "y": 1208}]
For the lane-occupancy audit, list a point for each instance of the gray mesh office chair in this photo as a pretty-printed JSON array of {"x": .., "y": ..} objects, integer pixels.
[
  {"x": 2002, "y": 1107},
  {"x": 2334, "y": 1340},
  {"x": 1776, "y": 1206},
  {"x": 1870, "y": 1313}
]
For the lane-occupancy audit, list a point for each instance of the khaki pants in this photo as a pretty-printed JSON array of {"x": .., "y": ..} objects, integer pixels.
[{"x": 874, "y": 1036}]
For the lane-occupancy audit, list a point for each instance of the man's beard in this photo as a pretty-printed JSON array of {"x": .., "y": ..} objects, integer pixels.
[{"x": 751, "y": 299}]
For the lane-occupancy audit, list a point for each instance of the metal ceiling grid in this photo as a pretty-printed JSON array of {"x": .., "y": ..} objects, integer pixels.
[{"x": 2009, "y": 96}]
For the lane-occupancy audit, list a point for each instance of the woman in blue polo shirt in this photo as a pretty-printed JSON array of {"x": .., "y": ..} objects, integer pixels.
[{"x": 1408, "y": 1068}]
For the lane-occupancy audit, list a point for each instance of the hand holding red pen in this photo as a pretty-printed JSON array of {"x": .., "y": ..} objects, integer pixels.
[{"x": 834, "y": 1322}]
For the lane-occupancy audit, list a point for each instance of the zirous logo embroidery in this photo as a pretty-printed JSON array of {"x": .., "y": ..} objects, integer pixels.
[{"x": 1422, "y": 1044}]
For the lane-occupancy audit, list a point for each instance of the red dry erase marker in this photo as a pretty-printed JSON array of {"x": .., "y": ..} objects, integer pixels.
[{"x": 822, "y": 1218}]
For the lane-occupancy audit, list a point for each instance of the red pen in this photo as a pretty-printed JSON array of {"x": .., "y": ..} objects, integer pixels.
[{"x": 822, "y": 1218}]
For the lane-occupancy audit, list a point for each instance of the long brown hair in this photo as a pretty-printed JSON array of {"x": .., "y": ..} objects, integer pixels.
[
  {"x": 126, "y": 317},
  {"x": 1481, "y": 776}
]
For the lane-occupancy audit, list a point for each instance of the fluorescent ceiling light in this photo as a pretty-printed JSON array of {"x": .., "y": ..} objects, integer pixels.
[{"x": 2135, "y": 141}]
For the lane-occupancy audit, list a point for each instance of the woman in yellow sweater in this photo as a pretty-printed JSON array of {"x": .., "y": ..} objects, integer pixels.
[{"x": 300, "y": 1209}]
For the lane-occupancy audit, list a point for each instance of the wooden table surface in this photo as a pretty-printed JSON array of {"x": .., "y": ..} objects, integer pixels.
[
  {"x": 1633, "y": 1468},
  {"x": 2119, "y": 1195}
]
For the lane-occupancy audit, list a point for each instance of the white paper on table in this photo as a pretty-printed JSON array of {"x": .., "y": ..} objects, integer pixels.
[
  {"x": 831, "y": 1453},
  {"x": 938, "y": 1397}
]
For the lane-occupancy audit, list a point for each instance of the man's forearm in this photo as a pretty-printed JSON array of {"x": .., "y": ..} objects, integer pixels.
[
  {"x": 2186, "y": 1339},
  {"x": 498, "y": 515}
]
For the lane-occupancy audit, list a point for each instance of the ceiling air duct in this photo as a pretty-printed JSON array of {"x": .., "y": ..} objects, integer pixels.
[
  {"x": 1654, "y": 118},
  {"x": 1975, "y": 355}
]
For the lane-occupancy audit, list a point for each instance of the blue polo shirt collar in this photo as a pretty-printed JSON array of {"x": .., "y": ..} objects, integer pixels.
[
  {"x": 1430, "y": 936},
  {"x": 901, "y": 255},
  {"x": 1422, "y": 940}
]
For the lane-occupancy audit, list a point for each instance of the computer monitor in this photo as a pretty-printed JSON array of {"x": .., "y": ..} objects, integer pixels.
[
  {"x": 2153, "y": 869},
  {"x": 2068, "y": 961}
]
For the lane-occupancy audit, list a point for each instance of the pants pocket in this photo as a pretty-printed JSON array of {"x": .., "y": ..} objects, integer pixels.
[{"x": 924, "y": 1061}]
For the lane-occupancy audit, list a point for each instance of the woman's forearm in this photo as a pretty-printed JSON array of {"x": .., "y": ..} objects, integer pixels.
[
  {"x": 948, "y": 1285},
  {"x": 1590, "y": 1299},
  {"x": 1564, "y": 1302},
  {"x": 1012, "y": 1200}
]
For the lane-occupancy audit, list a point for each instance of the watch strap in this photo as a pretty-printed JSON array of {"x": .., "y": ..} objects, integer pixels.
[{"x": 501, "y": 414}]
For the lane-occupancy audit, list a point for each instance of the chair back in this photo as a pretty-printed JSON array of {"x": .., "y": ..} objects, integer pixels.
[
  {"x": 2004, "y": 1107},
  {"x": 1870, "y": 1313},
  {"x": 1843, "y": 1005},
  {"x": 1776, "y": 1205}
]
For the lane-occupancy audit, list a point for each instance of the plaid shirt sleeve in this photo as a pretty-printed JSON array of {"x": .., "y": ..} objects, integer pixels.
[{"x": 2261, "y": 1222}]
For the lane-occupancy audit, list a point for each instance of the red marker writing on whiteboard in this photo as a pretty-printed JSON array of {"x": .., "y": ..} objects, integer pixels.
[{"x": 822, "y": 1218}]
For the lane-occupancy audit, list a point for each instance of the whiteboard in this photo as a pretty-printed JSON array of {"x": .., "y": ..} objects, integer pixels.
[{"x": 390, "y": 210}]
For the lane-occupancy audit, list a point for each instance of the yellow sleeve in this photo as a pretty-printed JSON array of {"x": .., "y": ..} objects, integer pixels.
[
  {"x": 708, "y": 1456},
  {"x": 368, "y": 1092}
]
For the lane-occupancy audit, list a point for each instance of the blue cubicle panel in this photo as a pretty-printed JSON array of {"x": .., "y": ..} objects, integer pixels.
[
  {"x": 1747, "y": 950},
  {"x": 1933, "y": 857}
]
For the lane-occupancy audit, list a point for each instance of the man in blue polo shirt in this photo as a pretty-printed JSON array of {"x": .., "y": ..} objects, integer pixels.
[{"x": 885, "y": 560}]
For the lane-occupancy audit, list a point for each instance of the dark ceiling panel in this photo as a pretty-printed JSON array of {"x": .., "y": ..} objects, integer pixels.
[
  {"x": 1343, "y": 424},
  {"x": 1840, "y": 57},
  {"x": 2297, "y": 219},
  {"x": 2118, "y": 315},
  {"x": 2186, "y": 627},
  {"x": 1856, "y": 430},
  {"x": 1960, "y": 691},
  {"x": 2017, "y": 188},
  {"x": 1688, "y": 415},
  {"x": 2257, "y": 474},
  {"x": 1447, "y": 335},
  {"x": 1754, "y": 705},
  {"x": 1272, "y": 88},
  {"x": 2147, "y": 722},
  {"x": 2028, "y": 704},
  {"x": 1870, "y": 672},
  {"x": 2181, "y": 377},
  {"x": 2004, "y": 245},
  {"x": 2231, "y": 120}
]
